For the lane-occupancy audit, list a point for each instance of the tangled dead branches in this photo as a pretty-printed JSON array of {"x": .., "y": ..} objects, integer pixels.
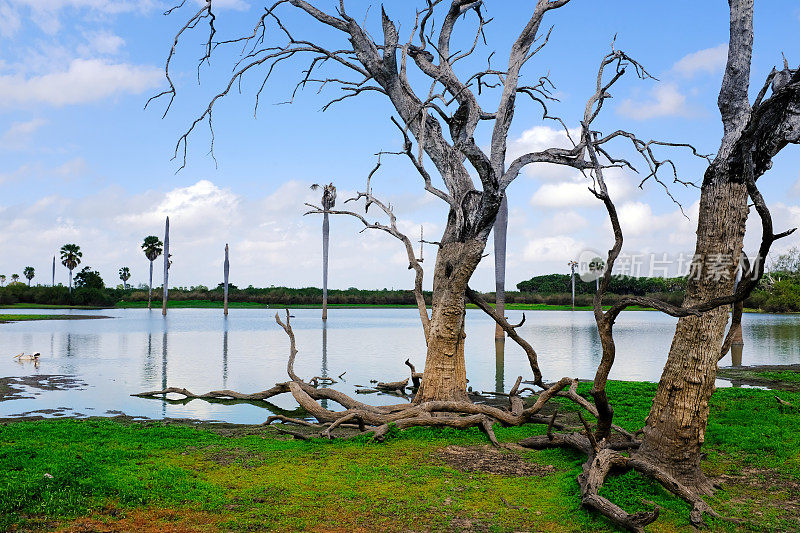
[{"x": 603, "y": 456}]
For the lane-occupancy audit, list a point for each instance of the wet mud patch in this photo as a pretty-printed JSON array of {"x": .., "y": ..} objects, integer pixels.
[
  {"x": 779, "y": 377},
  {"x": 491, "y": 461},
  {"x": 764, "y": 491},
  {"x": 243, "y": 458},
  {"x": 24, "y": 387},
  {"x": 145, "y": 521}
]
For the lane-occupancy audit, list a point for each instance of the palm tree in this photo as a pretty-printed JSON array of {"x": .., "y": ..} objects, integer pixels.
[
  {"x": 124, "y": 275},
  {"x": 71, "y": 257},
  {"x": 28, "y": 272},
  {"x": 2, "y": 279},
  {"x": 152, "y": 247},
  {"x": 14, "y": 278},
  {"x": 328, "y": 201}
]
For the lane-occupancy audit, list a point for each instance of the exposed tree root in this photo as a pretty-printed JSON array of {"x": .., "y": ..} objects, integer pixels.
[
  {"x": 377, "y": 419},
  {"x": 604, "y": 455},
  {"x": 604, "y": 458}
]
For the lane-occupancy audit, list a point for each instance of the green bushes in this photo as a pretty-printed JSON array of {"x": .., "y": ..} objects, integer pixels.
[
  {"x": 639, "y": 286},
  {"x": 781, "y": 294}
]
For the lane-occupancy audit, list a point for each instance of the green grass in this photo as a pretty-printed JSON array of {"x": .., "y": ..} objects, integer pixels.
[
  {"x": 147, "y": 472},
  {"x": 199, "y": 304},
  {"x": 46, "y": 306},
  {"x": 26, "y": 318},
  {"x": 785, "y": 375}
]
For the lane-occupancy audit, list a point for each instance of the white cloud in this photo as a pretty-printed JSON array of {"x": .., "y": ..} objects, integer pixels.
[
  {"x": 664, "y": 100},
  {"x": 102, "y": 42},
  {"x": 576, "y": 193},
  {"x": 20, "y": 134},
  {"x": 795, "y": 190},
  {"x": 556, "y": 248},
  {"x": 238, "y": 5},
  {"x": 10, "y": 21},
  {"x": 707, "y": 61},
  {"x": 75, "y": 167},
  {"x": 47, "y": 13},
  {"x": 540, "y": 138},
  {"x": 636, "y": 218},
  {"x": 84, "y": 81},
  {"x": 201, "y": 205}
]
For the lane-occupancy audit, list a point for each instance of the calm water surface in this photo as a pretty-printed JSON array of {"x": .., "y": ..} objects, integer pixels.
[{"x": 138, "y": 350}]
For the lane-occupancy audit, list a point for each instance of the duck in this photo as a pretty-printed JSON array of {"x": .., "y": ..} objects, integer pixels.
[{"x": 23, "y": 357}]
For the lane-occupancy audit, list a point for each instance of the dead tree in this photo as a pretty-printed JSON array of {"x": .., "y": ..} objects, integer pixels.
[
  {"x": 753, "y": 135},
  {"x": 442, "y": 119},
  {"x": 328, "y": 201},
  {"x": 603, "y": 454}
]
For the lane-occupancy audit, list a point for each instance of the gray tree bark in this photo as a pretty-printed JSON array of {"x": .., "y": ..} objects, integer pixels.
[
  {"x": 753, "y": 135},
  {"x": 500, "y": 236},
  {"x": 326, "y": 229},
  {"x": 150, "y": 289},
  {"x": 166, "y": 270},
  {"x": 226, "y": 271}
]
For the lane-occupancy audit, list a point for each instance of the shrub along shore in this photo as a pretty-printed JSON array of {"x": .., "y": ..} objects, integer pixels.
[
  {"x": 781, "y": 297},
  {"x": 120, "y": 475}
]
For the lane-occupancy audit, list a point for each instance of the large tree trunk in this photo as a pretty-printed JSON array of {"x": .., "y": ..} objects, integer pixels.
[
  {"x": 150, "y": 290},
  {"x": 325, "y": 237},
  {"x": 676, "y": 425},
  {"x": 500, "y": 234},
  {"x": 445, "y": 375}
]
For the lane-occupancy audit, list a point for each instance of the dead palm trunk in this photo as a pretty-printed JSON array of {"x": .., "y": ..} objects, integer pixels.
[
  {"x": 166, "y": 270},
  {"x": 226, "y": 270},
  {"x": 500, "y": 235},
  {"x": 328, "y": 202},
  {"x": 150, "y": 289},
  {"x": 325, "y": 239},
  {"x": 54, "y": 271}
]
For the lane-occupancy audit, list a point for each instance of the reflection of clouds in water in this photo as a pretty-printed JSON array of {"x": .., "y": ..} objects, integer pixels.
[{"x": 248, "y": 353}]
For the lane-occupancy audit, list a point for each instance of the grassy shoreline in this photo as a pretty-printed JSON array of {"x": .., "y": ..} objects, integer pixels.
[
  {"x": 150, "y": 476},
  {"x": 5, "y": 318},
  {"x": 209, "y": 304}
]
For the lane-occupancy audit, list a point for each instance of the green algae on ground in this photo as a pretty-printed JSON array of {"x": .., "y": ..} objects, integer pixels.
[
  {"x": 27, "y": 318},
  {"x": 252, "y": 479},
  {"x": 785, "y": 377}
]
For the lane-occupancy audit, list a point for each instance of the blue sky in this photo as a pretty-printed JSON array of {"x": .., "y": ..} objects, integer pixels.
[{"x": 83, "y": 162}]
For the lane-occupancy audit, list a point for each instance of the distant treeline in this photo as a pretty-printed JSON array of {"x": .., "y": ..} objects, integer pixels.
[
  {"x": 560, "y": 284},
  {"x": 778, "y": 292}
]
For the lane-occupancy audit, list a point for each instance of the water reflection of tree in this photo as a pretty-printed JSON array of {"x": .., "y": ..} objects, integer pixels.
[
  {"x": 149, "y": 369},
  {"x": 164, "y": 369},
  {"x": 499, "y": 364},
  {"x": 324, "y": 369},
  {"x": 225, "y": 353}
]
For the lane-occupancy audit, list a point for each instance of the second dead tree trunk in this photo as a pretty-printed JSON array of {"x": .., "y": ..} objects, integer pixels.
[
  {"x": 753, "y": 135},
  {"x": 677, "y": 421}
]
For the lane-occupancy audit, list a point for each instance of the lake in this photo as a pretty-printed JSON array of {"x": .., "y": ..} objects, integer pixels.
[{"x": 199, "y": 349}]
